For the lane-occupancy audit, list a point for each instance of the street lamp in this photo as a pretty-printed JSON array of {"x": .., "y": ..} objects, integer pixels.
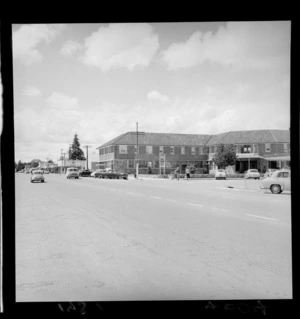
[{"x": 87, "y": 155}]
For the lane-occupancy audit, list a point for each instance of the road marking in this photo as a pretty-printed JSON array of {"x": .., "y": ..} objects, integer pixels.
[
  {"x": 194, "y": 204},
  {"x": 224, "y": 210},
  {"x": 260, "y": 217},
  {"x": 132, "y": 193},
  {"x": 155, "y": 197}
]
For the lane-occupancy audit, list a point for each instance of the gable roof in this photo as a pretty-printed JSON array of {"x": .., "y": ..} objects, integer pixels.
[
  {"x": 253, "y": 136},
  {"x": 172, "y": 139}
]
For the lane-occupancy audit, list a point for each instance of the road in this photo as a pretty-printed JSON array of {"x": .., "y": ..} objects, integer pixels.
[{"x": 99, "y": 240}]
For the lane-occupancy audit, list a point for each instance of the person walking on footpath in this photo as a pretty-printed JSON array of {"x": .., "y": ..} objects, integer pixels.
[
  {"x": 187, "y": 173},
  {"x": 177, "y": 173}
]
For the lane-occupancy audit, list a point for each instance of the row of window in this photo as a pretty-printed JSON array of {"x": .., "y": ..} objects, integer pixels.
[
  {"x": 149, "y": 149},
  {"x": 249, "y": 148}
]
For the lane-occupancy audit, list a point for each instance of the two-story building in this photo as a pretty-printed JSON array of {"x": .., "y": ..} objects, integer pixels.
[
  {"x": 160, "y": 152},
  {"x": 163, "y": 152},
  {"x": 260, "y": 149}
]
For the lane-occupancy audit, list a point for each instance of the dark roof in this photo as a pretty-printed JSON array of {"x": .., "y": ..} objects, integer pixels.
[
  {"x": 254, "y": 136},
  {"x": 234, "y": 137},
  {"x": 175, "y": 139}
]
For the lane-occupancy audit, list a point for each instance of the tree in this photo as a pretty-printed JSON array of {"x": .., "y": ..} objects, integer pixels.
[
  {"x": 75, "y": 152},
  {"x": 225, "y": 155},
  {"x": 20, "y": 165}
]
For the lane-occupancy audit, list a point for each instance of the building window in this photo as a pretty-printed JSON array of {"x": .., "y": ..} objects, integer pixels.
[
  {"x": 172, "y": 150},
  {"x": 123, "y": 149},
  {"x": 286, "y": 147},
  {"x": 193, "y": 150},
  {"x": 149, "y": 149},
  {"x": 212, "y": 149},
  {"x": 130, "y": 163},
  {"x": 267, "y": 147},
  {"x": 255, "y": 148},
  {"x": 161, "y": 149},
  {"x": 182, "y": 150},
  {"x": 246, "y": 149}
]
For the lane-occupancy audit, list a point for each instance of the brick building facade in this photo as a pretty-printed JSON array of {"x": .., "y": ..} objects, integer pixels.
[{"x": 163, "y": 152}]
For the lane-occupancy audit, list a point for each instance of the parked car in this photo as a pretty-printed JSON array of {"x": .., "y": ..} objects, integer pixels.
[
  {"x": 270, "y": 171},
  {"x": 220, "y": 174},
  {"x": 85, "y": 173},
  {"x": 113, "y": 175},
  {"x": 37, "y": 176},
  {"x": 278, "y": 182},
  {"x": 72, "y": 172},
  {"x": 252, "y": 173},
  {"x": 97, "y": 172}
]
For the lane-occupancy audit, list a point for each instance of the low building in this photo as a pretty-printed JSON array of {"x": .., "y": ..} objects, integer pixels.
[
  {"x": 62, "y": 165},
  {"x": 163, "y": 152}
]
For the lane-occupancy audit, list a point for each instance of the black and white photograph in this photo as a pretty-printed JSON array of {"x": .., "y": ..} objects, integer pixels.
[{"x": 152, "y": 161}]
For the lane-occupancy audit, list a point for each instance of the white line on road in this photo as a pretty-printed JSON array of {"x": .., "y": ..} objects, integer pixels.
[
  {"x": 132, "y": 193},
  {"x": 155, "y": 197},
  {"x": 224, "y": 210},
  {"x": 260, "y": 217}
]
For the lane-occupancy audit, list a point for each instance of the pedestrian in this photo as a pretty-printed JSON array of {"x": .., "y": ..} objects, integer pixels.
[
  {"x": 187, "y": 173},
  {"x": 176, "y": 172}
]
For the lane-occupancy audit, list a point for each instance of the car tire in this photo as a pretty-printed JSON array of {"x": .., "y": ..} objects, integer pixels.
[{"x": 276, "y": 189}]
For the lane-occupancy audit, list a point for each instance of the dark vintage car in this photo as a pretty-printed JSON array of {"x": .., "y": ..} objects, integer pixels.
[
  {"x": 85, "y": 173},
  {"x": 113, "y": 175}
]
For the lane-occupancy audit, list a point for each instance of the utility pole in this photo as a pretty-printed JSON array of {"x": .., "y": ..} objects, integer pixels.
[{"x": 87, "y": 155}]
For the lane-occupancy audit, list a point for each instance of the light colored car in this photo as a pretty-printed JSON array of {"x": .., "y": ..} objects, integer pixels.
[
  {"x": 220, "y": 174},
  {"x": 278, "y": 182},
  {"x": 252, "y": 173},
  {"x": 37, "y": 176},
  {"x": 72, "y": 172},
  {"x": 97, "y": 172},
  {"x": 270, "y": 171}
]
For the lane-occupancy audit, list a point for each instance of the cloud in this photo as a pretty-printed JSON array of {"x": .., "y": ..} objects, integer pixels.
[
  {"x": 70, "y": 48},
  {"x": 28, "y": 37},
  {"x": 156, "y": 96},
  {"x": 61, "y": 101},
  {"x": 239, "y": 44},
  {"x": 32, "y": 91},
  {"x": 121, "y": 46}
]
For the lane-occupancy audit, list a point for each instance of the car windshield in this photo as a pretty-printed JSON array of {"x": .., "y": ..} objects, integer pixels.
[
  {"x": 253, "y": 170},
  {"x": 221, "y": 170},
  {"x": 73, "y": 169},
  {"x": 37, "y": 172}
]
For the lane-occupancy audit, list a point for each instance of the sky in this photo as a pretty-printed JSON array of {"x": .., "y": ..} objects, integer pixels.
[{"x": 99, "y": 80}]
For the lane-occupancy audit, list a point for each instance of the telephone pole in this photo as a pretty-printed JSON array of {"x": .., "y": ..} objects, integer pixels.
[{"x": 87, "y": 155}]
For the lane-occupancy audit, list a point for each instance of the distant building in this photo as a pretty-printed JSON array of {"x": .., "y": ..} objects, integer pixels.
[
  {"x": 165, "y": 151},
  {"x": 62, "y": 165}
]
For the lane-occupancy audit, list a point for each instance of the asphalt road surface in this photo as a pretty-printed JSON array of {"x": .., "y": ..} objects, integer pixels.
[{"x": 97, "y": 240}]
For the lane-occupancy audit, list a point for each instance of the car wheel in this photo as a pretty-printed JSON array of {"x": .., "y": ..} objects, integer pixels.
[{"x": 275, "y": 189}]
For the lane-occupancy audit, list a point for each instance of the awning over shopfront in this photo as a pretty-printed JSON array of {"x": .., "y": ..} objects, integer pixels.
[
  {"x": 283, "y": 158},
  {"x": 248, "y": 155}
]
